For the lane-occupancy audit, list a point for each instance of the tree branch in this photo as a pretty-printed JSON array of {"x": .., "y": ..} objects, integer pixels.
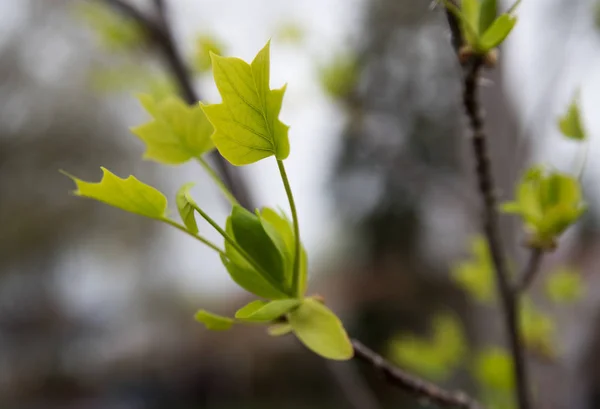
[
  {"x": 531, "y": 270},
  {"x": 412, "y": 384},
  {"x": 509, "y": 299},
  {"x": 160, "y": 35}
]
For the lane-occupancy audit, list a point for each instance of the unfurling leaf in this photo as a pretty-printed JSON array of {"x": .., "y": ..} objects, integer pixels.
[
  {"x": 548, "y": 203},
  {"x": 177, "y": 133},
  {"x": 128, "y": 194},
  {"x": 476, "y": 275},
  {"x": 247, "y": 125},
  {"x": 436, "y": 357},
  {"x": 205, "y": 45},
  {"x": 497, "y": 32},
  {"x": 494, "y": 369},
  {"x": 564, "y": 285},
  {"x": 570, "y": 124},
  {"x": 266, "y": 311},
  {"x": 320, "y": 330},
  {"x": 213, "y": 322},
  {"x": 185, "y": 208}
]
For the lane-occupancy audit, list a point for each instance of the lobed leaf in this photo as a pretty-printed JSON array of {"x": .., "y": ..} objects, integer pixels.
[
  {"x": 320, "y": 330},
  {"x": 177, "y": 133},
  {"x": 247, "y": 125},
  {"x": 128, "y": 194}
]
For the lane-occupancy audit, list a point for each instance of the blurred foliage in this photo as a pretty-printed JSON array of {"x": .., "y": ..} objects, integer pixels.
[
  {"x": 538, "y": 329},
  {"x": 570, "y": 123},
  {"x": 436, "y": 357},
  {"x": 564, "y": 285},
  {"x": 290, "y": 32},
  {"x": 128, "y": 77},
  {"x": 339, "y": 76},
  {"x": 476, "y": 275},
  {"x": 206, "y": 44},
  {"x": 493, "y": 370}
]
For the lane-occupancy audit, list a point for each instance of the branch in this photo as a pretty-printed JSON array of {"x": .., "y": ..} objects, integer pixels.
[
  {"x": 530, "y": 271},
  {"x": 412, "y": 384},
  {"x": 160, "y": 35},
  {"x": 509, "y": 299}
]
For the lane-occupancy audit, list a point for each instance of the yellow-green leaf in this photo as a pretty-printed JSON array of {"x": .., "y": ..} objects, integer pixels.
[
  {"x": 128, "y": 194},
  {"x": 538, "y": 329},
  {"x": 177, "y": 133},
  {"x": 470, "y": 11},
  {"x": 247, "y": 125},
  {"x": 205, "y": 45},
  {"x": 213, "y": 322},
  {"x": 476, "y": 275},
  {"x": 570, "y": 124},
  {"x": 185, "y": 208},
  {"x": 497, "y": 32},
  {"x": 277, "y": 330},
  {"x": 564, "y": 285},
  {"x": 487, "y": 14},
  {"x": 265, "y": 311},
  {"x": 320, "y": 330},
  {"x": 494, "y": 369}
]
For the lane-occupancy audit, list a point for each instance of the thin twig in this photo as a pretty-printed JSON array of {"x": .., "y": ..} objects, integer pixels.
[
  {"x": 509, "y": 299},
  {"x": 160, "y": 34},
  {"x": 531, "y": 269},
  {"x": 412, "y": 384}
]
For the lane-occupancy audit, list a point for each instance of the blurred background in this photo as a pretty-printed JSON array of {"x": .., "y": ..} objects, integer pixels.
[{"x": 96, "y": 305}]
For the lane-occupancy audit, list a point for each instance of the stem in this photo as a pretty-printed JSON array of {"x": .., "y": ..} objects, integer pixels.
[
  {"x": 412, "y": 384},
  {"x": 288, "y": 190},
  {"x": 196, "y": 236},
  {"x": 215, "y": 177},
  {"x": 509, "y": 299}
]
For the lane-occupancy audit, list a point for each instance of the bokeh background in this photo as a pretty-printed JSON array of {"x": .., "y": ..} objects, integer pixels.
[{"x": 96, "y": 305}]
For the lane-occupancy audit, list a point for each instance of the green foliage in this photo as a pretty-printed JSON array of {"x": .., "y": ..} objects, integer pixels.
[
  {"x": 177, "y": 133},
  {"x": 487, "y": 14},
  {"x": 131, "y": 77},
  {"x": 570, "y": 124},
  {"x": 320, "y": 330},
  {"x": 290, "y": 32},
  {"x": 128, "y": 194},
  {"x": 205, "y": 45},
  {"x": 476, "y": 275},
  {"x": 437, "y": 357},
  {"x": 266, "y": 311},
  {"x": 538, "y": 329},
  {"x": 114, "y": 31},
  {"x": 564, "y": 286},
  {"x": 247, "y": 125},
  {"x": 548, "y": 202},
  {"x": 212, "y": 321},
  {"x": 494, "y": 369},
  {"x": 185, "y": 206},
  {"x": 339, "y": 76}
]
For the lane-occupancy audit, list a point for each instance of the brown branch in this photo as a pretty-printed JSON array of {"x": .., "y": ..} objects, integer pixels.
[
  {"x": 412, "y": 384},
  {"x": 509, "y": 299},
  {"x": 160, "y": 35},
  {"x": 531, "y": 270}
]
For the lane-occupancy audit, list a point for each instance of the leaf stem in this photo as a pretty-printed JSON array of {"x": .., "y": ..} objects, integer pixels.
[
  {"x": 196, "y": 236},
  {"x": 296, "y": 287},
  {"x": 215, "y": 177}
]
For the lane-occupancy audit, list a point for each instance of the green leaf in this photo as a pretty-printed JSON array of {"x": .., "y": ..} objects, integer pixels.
[
  {"x": 251, "y": 236},
  {"x": 177, "y": 133},
  {"x": 487, "y": 14},
  {"x": 476, "y": 275},
  {"x": 494, "y": 369},
  {"x": 320, "y": 330},
  {"x": 570, "y": 124},
  {"x": 538, "y": 329},
  {"x": 266, "y": 311},
  {"x": 248, "y": 278},
  {"x": 205, "y": 45},
  {"x": 277, "y": 330},
  {"x": 339, "y": 76},
  {"x": 497, "y": 32},
  {"x": 564, "y": 286},
  {"x": 128, "y": 194},
  {"x": 247, "y": 125},
  {"x": 213, "y": 322},
  {"x": 470, "y": 11},
  {"x": 186, "y": 210}
]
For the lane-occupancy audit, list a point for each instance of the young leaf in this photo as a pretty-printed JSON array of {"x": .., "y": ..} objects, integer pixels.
[
  {"x": 497, "y": 32},
  {"x": 564, "y": 285},
  {"x": 254, "y": 240},
  {"x": 476, "y": 276},
  {"x": 470, "y": 11},
  {"x": 494, "y": 369},
  {"x": 570, "y": 124},
  {"x": 263, "y": 311},
  {"x": 186, "y": 210},
  {"x": 248, "y": 278},
  {"x": 277, "y": 330},
  {"x": 320, "y": 330},
  {"x": 538, "y": 329},
  {"x": 487, "y": 14},
  {"x": 213, "y": 322},
  {"x": 177, "y": 133},
  {"x": 128, "y": 194},
  {"x": 247, "y": 125}
]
